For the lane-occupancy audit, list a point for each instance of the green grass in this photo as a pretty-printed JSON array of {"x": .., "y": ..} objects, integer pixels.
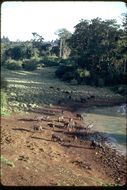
[
  {"x": 7, "y": 162},
  {"x": 4, "y": 104}
]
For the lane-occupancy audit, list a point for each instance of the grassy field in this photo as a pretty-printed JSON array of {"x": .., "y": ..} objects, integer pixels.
[{"x": 33, "y": 89}]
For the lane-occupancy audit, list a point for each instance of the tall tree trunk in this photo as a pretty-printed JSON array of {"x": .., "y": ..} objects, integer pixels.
[{"x": 61, "y": 44}]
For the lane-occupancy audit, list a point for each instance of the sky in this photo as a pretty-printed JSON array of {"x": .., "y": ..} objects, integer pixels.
[{"x": 20, "y": 19}]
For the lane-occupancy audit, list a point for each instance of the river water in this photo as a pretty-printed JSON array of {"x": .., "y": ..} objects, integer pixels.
[{"x": 108, "y": 121}]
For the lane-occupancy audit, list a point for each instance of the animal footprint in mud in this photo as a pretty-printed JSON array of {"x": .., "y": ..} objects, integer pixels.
[
  {"x": 8, "y": 139},
  {"x": 41, "y": 149},
  {"x": 23, "y": 158},
  {"x": 30, "y": 147}
]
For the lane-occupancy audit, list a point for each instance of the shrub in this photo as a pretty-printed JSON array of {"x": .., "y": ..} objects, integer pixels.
[
  {"x": 68, "y": 76},
  {"x": 30, "y": 64},
  {"x": 83, "y": 73},
  {"x": 60, "y": 71},
  {"x": 68, "y": 62},
  {"x": 13, "y": 64},
  {"x": 82, "y": 76},
  {"x": 51, "y": 61},
  {"x": 63, "y": 69}
]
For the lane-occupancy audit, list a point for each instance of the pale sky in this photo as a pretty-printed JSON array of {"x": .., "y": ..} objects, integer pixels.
[{"x": 20, "y": 19}]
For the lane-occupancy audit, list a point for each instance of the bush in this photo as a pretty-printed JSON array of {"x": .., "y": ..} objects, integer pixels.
[
  {"x": 30, "y": 64},
  {"x": 13, "y": 64},
  {"x": 67, "y": 62},
  {"x": 82, "y": 76},
  {"x": 51, "y": 61},
  {"x": 68, "y": 76},
  {"x": 60, "y": 71},
  {"x": 63, "y": 69}
]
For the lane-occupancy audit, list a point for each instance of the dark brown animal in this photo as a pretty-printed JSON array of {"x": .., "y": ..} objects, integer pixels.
[
  {"x": 79, "y": 116},
  {"x": 37, "y": 127},
  {"x": 94, "y": 144},
  {"x": 56, "y": 137},
  {"x": 52, "y": 125}
]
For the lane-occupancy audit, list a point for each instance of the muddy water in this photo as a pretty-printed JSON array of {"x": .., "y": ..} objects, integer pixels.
[{"x": 108, "y": 121}]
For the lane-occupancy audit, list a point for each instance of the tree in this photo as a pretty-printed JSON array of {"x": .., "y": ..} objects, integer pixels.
[
  {"x": 5, "y": 40},
  {"x": 96, "y": 44},
  {"x": 63, "y": 35},
  {"x": 37, "y": 41},
  {"x": 14, "y": 53}
]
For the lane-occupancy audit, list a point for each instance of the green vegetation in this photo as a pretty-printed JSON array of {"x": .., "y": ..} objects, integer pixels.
[
  {"x": 7, "y": 162},
  {"x": 30, "y": 64},
  {"x": 13, "y": 64},
  {"x": 4, "y": 97},
  {"x": 98, "y": 53},
  {"x": 51, "y": 61}
]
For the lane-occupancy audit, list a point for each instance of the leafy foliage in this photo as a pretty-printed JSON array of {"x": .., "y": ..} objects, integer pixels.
[
  {"x": 13, "y": 64},
  {"x": 51, "y": 61},
  {"x": 4, "y": 103},
  {"x": 30, "y": 64},
  {"x": 98, "y": 47},
  {"x": 66, "y": 72}
]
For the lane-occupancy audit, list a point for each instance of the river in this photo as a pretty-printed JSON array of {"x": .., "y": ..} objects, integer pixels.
[{"x": 110, "y": 122}]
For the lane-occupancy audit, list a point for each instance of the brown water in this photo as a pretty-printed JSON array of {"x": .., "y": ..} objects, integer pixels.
[{"x": 107, "y": 120}]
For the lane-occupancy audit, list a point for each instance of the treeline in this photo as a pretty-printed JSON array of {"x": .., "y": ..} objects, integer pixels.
[
  {"x": 30, "y": 54},
  {"x": 95, "y": 54}
]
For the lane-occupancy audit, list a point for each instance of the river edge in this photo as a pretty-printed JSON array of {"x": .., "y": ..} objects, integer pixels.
[
  {"x": 106, "y": 160},
  {"x": 111, "y": 160},
  {"x": 110, "y": 141}
]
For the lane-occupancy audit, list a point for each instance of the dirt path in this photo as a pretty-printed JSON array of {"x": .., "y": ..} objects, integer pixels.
[{"x": 39, "y": 160}]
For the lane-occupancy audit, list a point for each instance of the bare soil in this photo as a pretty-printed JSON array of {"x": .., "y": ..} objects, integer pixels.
[{"x": 39, "y": 160}]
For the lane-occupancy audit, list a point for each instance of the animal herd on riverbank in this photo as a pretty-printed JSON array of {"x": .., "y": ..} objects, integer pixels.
[{"x": 73, "y": 126}]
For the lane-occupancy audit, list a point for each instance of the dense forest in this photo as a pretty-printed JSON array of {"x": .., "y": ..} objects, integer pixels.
[{"x": 95, "y": 54}]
